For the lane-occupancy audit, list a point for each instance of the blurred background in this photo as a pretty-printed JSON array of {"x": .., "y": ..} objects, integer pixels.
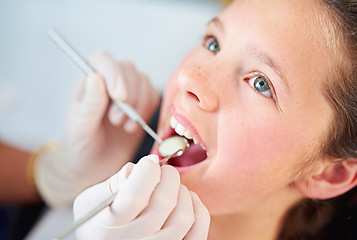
[{"x": 37, "y": 78}]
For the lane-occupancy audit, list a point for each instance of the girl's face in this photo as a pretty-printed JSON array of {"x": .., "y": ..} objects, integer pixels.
[{"x": 251, "y": 95}]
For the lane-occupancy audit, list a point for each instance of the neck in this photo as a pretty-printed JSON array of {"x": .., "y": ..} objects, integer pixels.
[
  {"x": 261, "y": 223},
  {"x": 247, "y": 229}
]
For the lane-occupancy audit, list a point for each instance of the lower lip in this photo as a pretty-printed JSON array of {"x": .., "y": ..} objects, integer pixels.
[{"x": 187, "y": 169}]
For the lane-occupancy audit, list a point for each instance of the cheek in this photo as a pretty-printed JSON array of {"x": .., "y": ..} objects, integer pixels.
[
  {"x": 260, "y": 151},
  {"x": 256, "y": 163}
]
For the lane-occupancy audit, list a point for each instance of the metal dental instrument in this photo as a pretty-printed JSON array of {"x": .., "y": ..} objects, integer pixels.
[
  {"x": 100, "y": 207},
  {"x": 125, "y": 107},
  {"x": 86, "y": 217}
]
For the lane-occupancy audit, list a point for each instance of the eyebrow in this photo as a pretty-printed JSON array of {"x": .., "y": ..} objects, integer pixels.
[
  {"x": 216, "y": 21},
  {"x": 255, "y": 51}
]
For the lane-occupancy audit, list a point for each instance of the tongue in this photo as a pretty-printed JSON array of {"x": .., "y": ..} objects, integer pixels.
[{"x": 193, "y": 155}]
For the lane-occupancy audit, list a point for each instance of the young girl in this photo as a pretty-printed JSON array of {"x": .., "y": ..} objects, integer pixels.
[{"x": 269, "y": 101}]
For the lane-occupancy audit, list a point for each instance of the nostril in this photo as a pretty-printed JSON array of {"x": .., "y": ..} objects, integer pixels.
[{"x": 193, "y": 96}]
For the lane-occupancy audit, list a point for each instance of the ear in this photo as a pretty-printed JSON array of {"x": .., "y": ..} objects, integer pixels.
[{"x": 331, "y": 181}]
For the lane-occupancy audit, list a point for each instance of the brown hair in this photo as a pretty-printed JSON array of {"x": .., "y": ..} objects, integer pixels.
[
  {"x": 342, "y": 93},
  {"x": 334, "y": 218},
  {"x": 226, "y": 2}
]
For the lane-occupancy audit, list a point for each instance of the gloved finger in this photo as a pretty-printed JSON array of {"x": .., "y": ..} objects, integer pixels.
[
  {"x": 147, "y": 101},
  {"x": 134, "y": 194},
  {"x": 83, "y": 204},
  {"x": 106, "y": 66},
  {"x": 180, "y": 221},
  {"x": 162, "y": 203},
  {"x": 133, "y": 84},
  {"x": 92, "y": 107},
  {"x": 116, "y": 115},
  {"x": 79, "y": 88},
  {"x": 115, "y": 182},
  {"x": 91, "y": 197},
  {"x": 200, "y": 228},
  {"x": 132, "y": 80},
  {"x": 95, "y": 91}
]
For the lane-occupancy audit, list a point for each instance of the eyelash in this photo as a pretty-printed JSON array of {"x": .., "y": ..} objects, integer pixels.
[
  {"x": 205, "y": 44},
  {"x": 257, "y": 75}
]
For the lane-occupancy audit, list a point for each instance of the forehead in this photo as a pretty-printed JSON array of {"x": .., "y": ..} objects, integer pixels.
[
  {"x": 298, "y": 21},
  {"x": 297, "y": 11},
  {"x": 297, "y": 33}
]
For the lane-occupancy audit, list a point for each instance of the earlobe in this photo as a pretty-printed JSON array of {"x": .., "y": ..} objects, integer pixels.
[{"x": 333, "y": 180}]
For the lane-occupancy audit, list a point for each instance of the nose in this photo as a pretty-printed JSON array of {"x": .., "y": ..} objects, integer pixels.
[{"x": 199, "y": 87}]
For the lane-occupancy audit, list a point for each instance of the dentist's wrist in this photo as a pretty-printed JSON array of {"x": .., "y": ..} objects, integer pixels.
[{"x": 52, "y": 179}]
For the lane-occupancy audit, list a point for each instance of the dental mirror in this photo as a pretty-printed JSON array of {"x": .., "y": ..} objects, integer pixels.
[{"x": 171, "y": 145}]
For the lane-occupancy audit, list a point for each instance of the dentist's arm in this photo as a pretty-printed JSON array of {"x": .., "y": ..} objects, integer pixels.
[
  {"x": 16, "y": 184},
  {"x": 151, "y": 204}
]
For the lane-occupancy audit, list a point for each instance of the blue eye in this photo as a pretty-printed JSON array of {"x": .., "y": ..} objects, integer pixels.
[
  {"x": 261, "y": 84},
  {"x": 211, "y": 44}
]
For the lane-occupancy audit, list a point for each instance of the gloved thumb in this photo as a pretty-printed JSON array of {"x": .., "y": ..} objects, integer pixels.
[
  {"x": 96, "y": 194},
  {"x": 94, "y": 100}
]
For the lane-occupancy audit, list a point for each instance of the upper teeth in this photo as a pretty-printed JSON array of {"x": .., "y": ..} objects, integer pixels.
[{"x": 181, "y": 130}]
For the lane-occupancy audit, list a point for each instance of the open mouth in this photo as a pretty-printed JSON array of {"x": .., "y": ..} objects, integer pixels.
[{"x": 194, "y": 154}]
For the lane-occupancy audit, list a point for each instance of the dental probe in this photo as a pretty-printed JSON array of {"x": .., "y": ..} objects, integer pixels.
[
  {"x": 101, "y": 206},
  {"x": 125, "y": 107}
]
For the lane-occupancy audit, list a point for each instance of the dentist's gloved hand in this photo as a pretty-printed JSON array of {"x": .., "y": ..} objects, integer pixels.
[
  {"x": 151, "y": 204},
  {"x": 99, "y": 138}
]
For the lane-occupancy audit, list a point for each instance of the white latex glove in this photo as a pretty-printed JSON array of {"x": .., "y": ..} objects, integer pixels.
[
  {"x": 151, "y": 204},
  {"x": 99, "y": 139}
]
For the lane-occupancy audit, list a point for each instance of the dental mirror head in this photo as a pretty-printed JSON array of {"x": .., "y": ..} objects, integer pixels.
[{"x": 172, "y": 145}]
